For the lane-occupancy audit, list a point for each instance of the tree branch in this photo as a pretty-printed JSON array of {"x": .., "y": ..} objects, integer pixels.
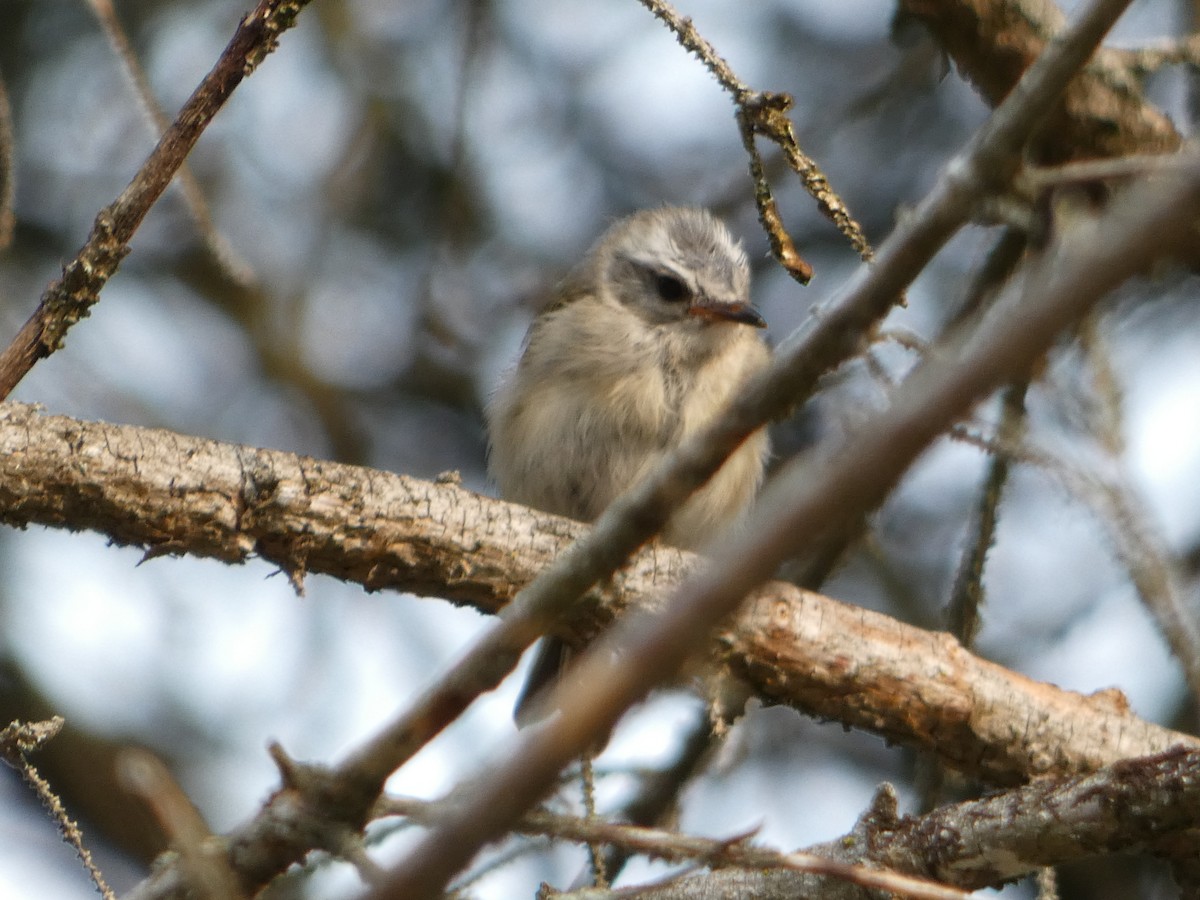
[
  {"x": 177, "y": 495},
  {"x": 1130, "y": 806},
  {"x": 1103, "y": 113},
  {"x": 71, "y": 298},
  {"x": 737, "y": 852},
  {"x": 803, "y": 503}
]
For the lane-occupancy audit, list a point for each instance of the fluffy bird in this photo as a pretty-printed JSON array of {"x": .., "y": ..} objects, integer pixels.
[{"x": 646, "y": 342}]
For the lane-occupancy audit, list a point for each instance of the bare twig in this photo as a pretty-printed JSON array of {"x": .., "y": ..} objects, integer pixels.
[
  {"x": 1105, "y": 408},
  {"x": 676, "y": 847},
  {"x": 587, "y": 779},
  {"x": 230, "y": 262},
  {"x": 1138, "y": 546},
  {"x": 694, "y": 42},
  {"x": 964, "y": 609},
  {"x": 658, "y": 792},
  {"x": 768, "y": 211},
  {"x": 16, "y": 740},
  {"x": 966, "y": 595},
  {"x": 70, "y": 298},
  {"x": 8, "y": 171},
  {"x": 766, "y": 114},
  {"x": 1132, "y": 805},
  {"x": 1110, "y": 497},
  {"x": 1034, "y": 180}
]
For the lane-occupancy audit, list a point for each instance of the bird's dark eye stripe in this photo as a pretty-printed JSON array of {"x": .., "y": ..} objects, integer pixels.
[{"x": 670, "y": 288}]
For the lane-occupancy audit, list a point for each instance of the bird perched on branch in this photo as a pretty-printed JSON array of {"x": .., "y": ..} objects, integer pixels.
[{"x": 646, "y": 342}]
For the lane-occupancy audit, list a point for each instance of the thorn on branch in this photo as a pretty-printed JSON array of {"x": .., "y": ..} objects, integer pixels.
[{"x": 293, "y": 775}]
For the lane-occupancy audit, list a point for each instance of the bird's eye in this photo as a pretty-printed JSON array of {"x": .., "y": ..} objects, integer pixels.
[{"x": 670, "y": 288}]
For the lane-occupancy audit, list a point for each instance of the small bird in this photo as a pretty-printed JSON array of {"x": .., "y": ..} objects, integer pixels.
[{"x": 648, "y": 339}]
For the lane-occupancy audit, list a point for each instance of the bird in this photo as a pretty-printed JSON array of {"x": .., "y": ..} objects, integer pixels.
[{"x": 645, "y": 342}]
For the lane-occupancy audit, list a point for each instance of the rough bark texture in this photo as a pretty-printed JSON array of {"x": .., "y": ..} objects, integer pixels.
[
  {"x": 1126, "y": 807},
  {"x": 175, "y": 495}
]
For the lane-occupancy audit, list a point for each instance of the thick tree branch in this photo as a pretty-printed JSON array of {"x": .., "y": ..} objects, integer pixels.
[
  {"x": 1127, "y": 807},
  {"x": 1132, "y": 806},
  {"x": 174, "y": 495}
]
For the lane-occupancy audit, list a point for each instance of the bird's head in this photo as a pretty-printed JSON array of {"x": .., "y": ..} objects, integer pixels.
[{"x": 676, "y": 265}]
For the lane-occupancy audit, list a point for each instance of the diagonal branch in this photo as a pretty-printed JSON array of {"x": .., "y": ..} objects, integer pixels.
[
  {"x": 809, "y": 498},
  {"x": 231, "y": 263},
  {"x": 71, "y": 298}
]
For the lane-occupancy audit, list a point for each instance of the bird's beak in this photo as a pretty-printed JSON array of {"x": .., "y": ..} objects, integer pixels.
[{"x": 714, "y": 311}]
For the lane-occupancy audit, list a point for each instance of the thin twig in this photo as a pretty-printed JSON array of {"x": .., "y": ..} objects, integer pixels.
[
  {"x": 695, "y": 43},
  {"x": 1116, "y": 505},
  {"x": 231, "y": 264},
  {"x": 963, "y": 612},
  {"x": 1130, "y": 526},
  {"x": 1035, "y": 180},
  {"x": 658, "y": 792},
  {"x": 766, "y": 114},
  {"x": 8, "y": 170},
  {"x": 20, "y": 738},
  {"x": 71, "y": 298},
  {"x": 966, "y": 596},
  {"x": 587, "y": 780},
  {"x": 675, "y": 847},
  {"x": 1129, "y": 805}
]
